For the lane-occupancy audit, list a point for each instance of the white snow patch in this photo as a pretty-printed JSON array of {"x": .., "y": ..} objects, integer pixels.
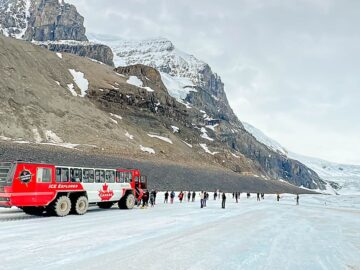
[
  {"x": 80, "y": 81},
  {"x": 178, "y": 87},
  {"x": 71, "y": 89},
  {"x": 59, "y": 55},
  {"x": 205, "y": 135},
  {"x": 188, "y": 144},
  {"x": 236, "y": 156},
  {"x": 187, "y": 104},
  {"x": 147, "y": 149},
  {"x": 175, "y": 129},
  {"x": 161, "y": 138},
  {"x": 114, "y": 121},
  {"x": 206, "y": 149},
  {"x": 116, "y": 116},
  {"x": 4, "y": 138},
  {"x": 127, "y": 134},
  {"x": 37, "y": 136},
  {"x": 148, "y": 89},
  {"x": 212, "y": 127},
  {"x": 96, "y": 61},
  {"x": 133, "y": 80},
  {"x": 52, "y": 137},
  {"x": 58, "y": 83}
]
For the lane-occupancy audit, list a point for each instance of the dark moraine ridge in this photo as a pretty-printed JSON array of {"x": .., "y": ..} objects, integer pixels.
[{"x": 161, "y": 175}]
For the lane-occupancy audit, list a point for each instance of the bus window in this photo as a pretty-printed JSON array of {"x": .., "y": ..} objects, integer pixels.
[
  {"x": 110, "y": 177},
  {"x": 43, "y": 175},
  {"x": 75, "y": 175},
  {"x": 88, "y": 176},
  {"x": 128, "y": 177},
  {"x": 99, "y": 176},
  {"x": 122, "y": 177},
  {"x": 62, "y": 175}
]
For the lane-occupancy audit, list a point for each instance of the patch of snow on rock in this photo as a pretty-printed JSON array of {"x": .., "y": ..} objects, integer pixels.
[
  {"x": 52, "y": 137},
  {"x": 160, "y": 138},
  {"x": 71, "y": 89},
  {"x": 188, "y": 144},
  {"x": 178, "y": 87},
  {"x": 212, "y": 127},
  {"x": 206, "y": 149},
  {"x": 80, "y": 81},
  {"x": 127, "y": 134},
  {"x": 116, "y": 116},
  {"x": 205, "y": 135},
  {"x": 147, "y": 149},
  {"x": 175, "y": 129},
  {"x": 37, "y": 136},
  {"x": 59, "y": 55},
  {"x": 114, "y": 121},
  {"x": 133, "y": 80}
]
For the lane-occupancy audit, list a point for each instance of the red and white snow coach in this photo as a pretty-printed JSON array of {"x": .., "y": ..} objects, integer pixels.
[{"x": 59, "y": 190}]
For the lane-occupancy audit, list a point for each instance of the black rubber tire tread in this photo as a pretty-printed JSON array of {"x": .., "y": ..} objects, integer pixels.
[{"x": 123, "y": 203}]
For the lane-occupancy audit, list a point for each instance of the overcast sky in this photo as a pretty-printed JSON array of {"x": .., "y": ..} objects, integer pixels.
[{"x": 290, "y": 68}]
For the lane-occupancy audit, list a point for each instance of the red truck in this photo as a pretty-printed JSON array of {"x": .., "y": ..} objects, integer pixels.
[{"x": 60, "y": 190}]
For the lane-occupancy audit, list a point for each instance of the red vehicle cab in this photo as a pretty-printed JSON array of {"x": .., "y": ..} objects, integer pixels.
[{"x": 59, "y": 190}]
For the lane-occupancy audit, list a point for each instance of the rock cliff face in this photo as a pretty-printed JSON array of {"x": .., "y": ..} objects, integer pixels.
[
  {"x": 54, "y": 20},
  {"x": 98, "y": 52},
  {"x": 53, "y": 24}
]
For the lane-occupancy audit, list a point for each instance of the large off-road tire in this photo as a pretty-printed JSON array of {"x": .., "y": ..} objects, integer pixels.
[
  {"x": 127, "y": 202},
  {"x": 32, "y": 210},
  {"x": 62, "y": 206},
  {"x": 105, "y": 205},
  {"x": 81, "y": 205}
]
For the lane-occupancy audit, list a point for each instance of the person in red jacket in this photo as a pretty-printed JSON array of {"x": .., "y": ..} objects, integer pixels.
[{"x": 181, "y": 196}]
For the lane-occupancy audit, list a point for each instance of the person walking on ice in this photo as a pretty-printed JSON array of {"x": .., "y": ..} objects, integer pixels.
[
  {"x": 166, "y": 197},
  {"x": 193, "y": 196},
  {"x": 223, "y": 200},
  {"x": 189, "y": 196},
  {"x": 297, "y": 199},
  {"x": 258, "y": 197},
  {"x": 278, "y": 197},
  {"x": 181, "y": 196},
  {"x": 202, "y": 198},
  {"x": 152, "y": 199},
  {"x": 172, "y": 196}
]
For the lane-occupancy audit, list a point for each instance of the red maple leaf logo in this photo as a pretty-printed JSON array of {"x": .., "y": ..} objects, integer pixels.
[{"x": 105, "y": 194}]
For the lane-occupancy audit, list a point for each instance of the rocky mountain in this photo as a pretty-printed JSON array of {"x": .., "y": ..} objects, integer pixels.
[
  {"x": 192, "y": 82},
  {"x": 53, "y": 24},
  {"x": 341, "y": 178},
  {"x": 158, "y": 93}
]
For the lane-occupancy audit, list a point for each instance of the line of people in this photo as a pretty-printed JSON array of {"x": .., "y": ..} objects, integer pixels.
[{"x": 204, "y": 197}]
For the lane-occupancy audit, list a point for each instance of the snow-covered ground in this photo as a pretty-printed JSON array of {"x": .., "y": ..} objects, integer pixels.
[{"x": 321, "y": 233}]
